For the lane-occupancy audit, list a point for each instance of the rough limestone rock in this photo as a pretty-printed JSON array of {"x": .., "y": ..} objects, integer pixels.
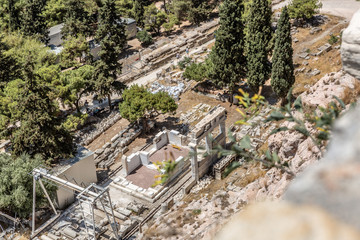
[
  {"x": 337, "y": 84},
  {"x": 334, "y": 182},
  {"x": 283, "y": 221},
  {"x": 350, "y": 47}
]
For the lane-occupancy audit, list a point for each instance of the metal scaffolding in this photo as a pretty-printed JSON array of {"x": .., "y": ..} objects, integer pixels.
[{"x": 89, "y": 198}]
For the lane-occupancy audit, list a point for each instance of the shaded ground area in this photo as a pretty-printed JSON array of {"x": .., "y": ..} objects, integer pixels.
[
  {"x": 108, "y": 134},
  {"x": 168, "y": 152},
  {"x": 143, "y": 177}
]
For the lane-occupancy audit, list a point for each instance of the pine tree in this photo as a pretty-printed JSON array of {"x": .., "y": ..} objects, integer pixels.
[
  {"x": 9, "y": 68},
  {"x": 228, "y": 54},
  {"x": 257, "y": 43},
  {"x": 33, "y": 23},
  {"x": 282, "y": 77},
  {"x": 26, "y": 105},
  {"x": 77, "y": 20},
  {"x": 139, "y": 13},
  {"x": 112, "y": 38}
]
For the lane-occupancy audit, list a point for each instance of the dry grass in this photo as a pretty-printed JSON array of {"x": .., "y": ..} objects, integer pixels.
[{"x": 326, "y": 63}]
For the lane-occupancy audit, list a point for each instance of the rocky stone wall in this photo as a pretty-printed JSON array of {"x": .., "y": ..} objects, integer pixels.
[{"x": 105, "y": 156}]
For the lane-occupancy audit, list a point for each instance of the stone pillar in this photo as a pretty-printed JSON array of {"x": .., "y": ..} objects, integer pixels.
[
  {"x": 222, "y": 128},
  {"x": 208, "y": 143},
  {"x": 194, "y": 162},
  {"x": 223, "y": 132}
]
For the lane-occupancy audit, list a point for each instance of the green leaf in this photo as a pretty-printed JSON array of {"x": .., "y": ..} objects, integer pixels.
[
  {"x": 275, "y": 116},
  {"x": 342, "y": 104},
  {"x": 280, "y": 129},
  {"x": 298, "y": 104},
  {"x": 275, "y": 157},
  {"x": 302, "y": 130},
  {"x": 245, "y": 143}
]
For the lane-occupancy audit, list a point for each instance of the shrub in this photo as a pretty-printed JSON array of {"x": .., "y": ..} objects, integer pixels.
[
  {"x": 74, "y": 121},
  {"x": 144, "y": 37},
  {"x": 304, "y": 9},
  {"x": 333, "y": 39},
  {"x": 196, "y": 71},
  {"x": 184, "y": 63}
]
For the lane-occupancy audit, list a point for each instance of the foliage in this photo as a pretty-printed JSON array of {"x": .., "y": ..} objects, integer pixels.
[
  {"x": 73, "y": 121},
  {"x": 140, "y": 104},
  {"x": 321, "y": 121},
  {"x": 144, "y": 37},
  {"x": 16, "y": 185},
  {"x": 74, "y": 84},
  {"x": 74, "y": 50},
  {"x": 10, "y": 14},
  {"x": 77, "y": 20},
  {"x": 172, "y": 20},
  {"x": 227, "y": 55},
  {"x": 165, "y": 169},
  {"x": 333, "y": 39},
  {"x": 139, "y": 13},
  {"x": 112, "y": 38},
  {"x": 20, "y": 47},
  {"x": 184, "y": 63},
  {"x": 125, "y": 8},
  {"x": 9, "y": 69},
  {"x": 180, "y": 8},
  {"x": 253, "y": 105},
  {"x": 257, "y": 43},
  {"x": 54, "y": 12},
  {"x": 282, "y": 77},
  {"x": 304, "y": 9},
  {"x": 197, "y": 71},
  {"x": 33, "y": 22},
  {"x": 28, "y": 114},
  {"x": 200, "y": 10},
  {"x": 154, "y": 18}
]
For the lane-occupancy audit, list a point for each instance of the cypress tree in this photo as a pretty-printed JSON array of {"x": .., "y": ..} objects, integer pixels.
[
  {"x": 228, "y": 53},
  {"x": 112, "y": 38},
  {"x": 282, "y": 77},
  {"x": 257, "y": 43},
  {"x": 33, "y": 23},
  {"x": 139, "y": 13},
  {"x": 77, "y": 20}
]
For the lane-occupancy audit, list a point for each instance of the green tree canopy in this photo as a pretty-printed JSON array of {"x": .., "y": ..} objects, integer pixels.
[
  {"x": 75, "y": 51},
  {"x": 33, "y": 22},
  {"x": 282, "y": 77},
  {"x": 9, "y": 68},
  {"x": 139, "y": 12},
  {"x": 29, "y": 114},
  {"x": 77, "y": 20},
  {"x": 154, "y": 18},
  {"x": 16, "y": 185},
  {"x": 74, "y": 84},
  {"x": 258, "y": 40},
  {"x": 304, "y": 9},
  {"x": 228, "y": 53},
  {"x": 112, "y": 38},
  {"x": 139, "y": 104}
]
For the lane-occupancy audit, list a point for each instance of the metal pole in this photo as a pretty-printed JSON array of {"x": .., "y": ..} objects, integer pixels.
[
  {"x": 34, "y": 205},
  {"x": 63, "y": 182},
  {"x": 112, "y": 212},
  {"x": 47, "y": 196}
]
